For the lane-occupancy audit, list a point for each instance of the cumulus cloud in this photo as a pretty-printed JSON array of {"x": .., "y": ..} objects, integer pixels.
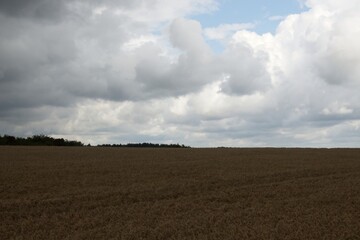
[
  {"x": 93, "y": 56},
  {"x": 143, "y": 71},
  {"x": 244, "y": 70}
]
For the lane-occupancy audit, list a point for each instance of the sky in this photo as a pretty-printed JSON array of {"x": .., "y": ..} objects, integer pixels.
[{"x": 204, "y": 73}]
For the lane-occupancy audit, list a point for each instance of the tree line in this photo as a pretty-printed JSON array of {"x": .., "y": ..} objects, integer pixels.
[
  {"x": 145, "y": 145},
  {"x": 37, "y": 140},
  {"x": 43, "y": 140}
]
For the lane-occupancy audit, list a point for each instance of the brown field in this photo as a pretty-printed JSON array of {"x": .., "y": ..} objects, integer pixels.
[{"x": 114, "y": 193}]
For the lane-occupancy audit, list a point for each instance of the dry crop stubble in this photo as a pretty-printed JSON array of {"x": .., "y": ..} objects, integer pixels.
[{"x": 123, "y": 193}]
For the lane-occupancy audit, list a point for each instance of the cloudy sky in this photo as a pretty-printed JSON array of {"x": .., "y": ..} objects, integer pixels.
[{"x": 197, "y": 72}]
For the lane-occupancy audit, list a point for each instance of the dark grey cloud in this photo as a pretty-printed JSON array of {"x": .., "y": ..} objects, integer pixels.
[
  {"x": 61, "y": 62},
  {"x": 32, "y": 62},
  {"x": 35, "y": 9}
]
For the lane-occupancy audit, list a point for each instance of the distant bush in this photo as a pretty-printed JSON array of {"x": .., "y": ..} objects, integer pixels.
[{"x": 37, "y": 140}]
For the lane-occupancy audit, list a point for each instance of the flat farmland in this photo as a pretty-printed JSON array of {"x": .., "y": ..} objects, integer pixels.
[{"x": 123, "y": 193}]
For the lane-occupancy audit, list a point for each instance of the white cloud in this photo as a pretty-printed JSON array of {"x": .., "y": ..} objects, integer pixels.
[
  {"x": 224, "y": 31},
  {"x": 337, "y": 109},
  {"x": 137, "y": 42}
]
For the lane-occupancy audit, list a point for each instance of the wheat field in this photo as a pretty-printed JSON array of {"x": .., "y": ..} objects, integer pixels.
[{"x": 123, "y": 193}]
